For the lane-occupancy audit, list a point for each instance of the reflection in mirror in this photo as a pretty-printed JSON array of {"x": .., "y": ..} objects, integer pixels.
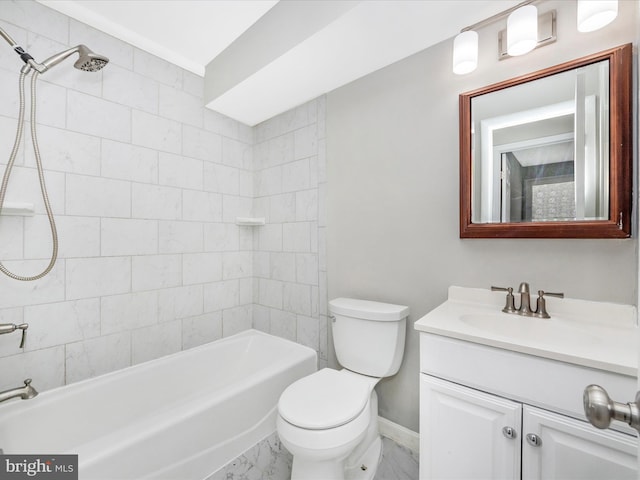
[
  {"x": 549, "y": 154},
  {"x": 542, "y": 153}
]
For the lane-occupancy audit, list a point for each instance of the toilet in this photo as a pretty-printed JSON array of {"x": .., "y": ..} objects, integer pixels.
[{"x": 329, "y": 420}]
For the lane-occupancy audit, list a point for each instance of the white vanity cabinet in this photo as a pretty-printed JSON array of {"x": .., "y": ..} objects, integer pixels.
[
  {"x": 461, "y": 433},
  {"x": 573, "y": 449},
  {"x": 501, "y": 394},
  {"x": 469, "y": 434}
]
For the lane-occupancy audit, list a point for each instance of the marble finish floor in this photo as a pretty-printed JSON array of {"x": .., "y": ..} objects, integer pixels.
[
  {"x": 270, "y": 460},
  {"x": 398, "y": 462}
]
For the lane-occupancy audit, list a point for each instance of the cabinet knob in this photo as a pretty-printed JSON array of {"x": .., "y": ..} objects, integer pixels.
[
  {"x": 534, "y": 440},
  {"x": 509, "y": 432}
]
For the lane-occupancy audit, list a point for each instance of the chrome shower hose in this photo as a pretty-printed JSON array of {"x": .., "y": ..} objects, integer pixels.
[{"x": 43, "y": 187}]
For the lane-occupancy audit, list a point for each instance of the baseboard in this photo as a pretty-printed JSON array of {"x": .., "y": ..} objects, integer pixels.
[{"x": 399, "y": 434}]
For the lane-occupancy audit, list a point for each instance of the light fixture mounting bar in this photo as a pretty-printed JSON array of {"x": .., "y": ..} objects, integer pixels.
[{"x": 497, "y": 16}]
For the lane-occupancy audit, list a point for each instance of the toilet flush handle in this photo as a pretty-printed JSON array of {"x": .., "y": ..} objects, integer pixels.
[{"x": 333, "y": 318}]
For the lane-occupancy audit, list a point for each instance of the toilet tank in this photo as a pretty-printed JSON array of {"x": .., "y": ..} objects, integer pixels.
[{"x": 368, "y": 336}]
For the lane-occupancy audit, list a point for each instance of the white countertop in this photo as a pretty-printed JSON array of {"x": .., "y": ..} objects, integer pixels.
[{"x": 592, "y": 334}]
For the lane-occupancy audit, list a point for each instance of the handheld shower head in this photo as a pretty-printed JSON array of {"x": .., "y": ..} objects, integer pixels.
[{"x": 88, "y": 61}]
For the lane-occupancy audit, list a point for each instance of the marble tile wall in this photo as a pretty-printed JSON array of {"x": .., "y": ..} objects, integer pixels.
[
  {"x": 145, "y": 184},
  {"x": 289, "y": 264}
]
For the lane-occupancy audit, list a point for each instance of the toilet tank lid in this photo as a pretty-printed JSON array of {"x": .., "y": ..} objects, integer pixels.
[{"x": 367, "y": 309}]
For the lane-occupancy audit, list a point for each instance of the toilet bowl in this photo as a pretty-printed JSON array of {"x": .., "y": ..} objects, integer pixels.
[
  {"x": 329, "y": 420},
  {"x": 323, "y": 418}
]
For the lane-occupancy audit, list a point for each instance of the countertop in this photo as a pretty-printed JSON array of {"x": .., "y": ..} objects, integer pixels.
[{"x": 592, "y": 334}]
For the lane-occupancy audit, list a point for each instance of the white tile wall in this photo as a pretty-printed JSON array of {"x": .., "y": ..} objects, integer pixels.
[
  {"x": 128, "y": 162},
  {"x": 146, "y": 184},
  {"x": 95, "y": 116},
  {"x": 290, "y": 289}
]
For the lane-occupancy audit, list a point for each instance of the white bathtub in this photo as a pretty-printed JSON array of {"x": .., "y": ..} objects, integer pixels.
[{"x": 180, "y": 417}]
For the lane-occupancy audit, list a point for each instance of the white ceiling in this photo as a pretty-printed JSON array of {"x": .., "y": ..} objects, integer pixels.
[{"x": 366, "y": 37}]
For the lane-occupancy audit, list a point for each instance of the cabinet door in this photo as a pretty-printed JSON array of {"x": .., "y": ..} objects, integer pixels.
[
  {"x": 571, "y": 449},
  {"x": 461, "y": 433}
]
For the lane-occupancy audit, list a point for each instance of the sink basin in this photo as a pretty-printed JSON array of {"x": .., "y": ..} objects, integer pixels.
[
  {"x": 531, "y": 328},
  {"x": 594, "y": 334},
  {"x": 507, "y": 325}
]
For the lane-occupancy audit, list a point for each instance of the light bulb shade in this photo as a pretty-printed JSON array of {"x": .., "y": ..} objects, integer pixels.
[
  {"x": 595, "y": 14},
  {"x": 522, "y": 30},
  {"x": 465, "y": 52}
]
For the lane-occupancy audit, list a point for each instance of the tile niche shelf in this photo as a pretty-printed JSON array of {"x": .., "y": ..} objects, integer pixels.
[
  {"x": 18, "y": 208},
  {"x": 249, "y": 221}
]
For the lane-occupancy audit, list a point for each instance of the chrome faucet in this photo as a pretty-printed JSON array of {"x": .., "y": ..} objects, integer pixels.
[
  {"x": 12, "y": 327},
  {"x": 525, "y": 301},
  {"x": 25, "y": 393}
]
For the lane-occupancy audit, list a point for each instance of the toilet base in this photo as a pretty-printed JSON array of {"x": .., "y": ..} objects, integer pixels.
[
  {"x": 306, "y": 470},
  {"x": 368, "y": 463},
  {"x": 367, "y": 453},
  {"x": 364, "y": 469}
]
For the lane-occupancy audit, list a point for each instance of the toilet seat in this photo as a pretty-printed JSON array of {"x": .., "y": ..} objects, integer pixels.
[{"x": 326, "y": 399}]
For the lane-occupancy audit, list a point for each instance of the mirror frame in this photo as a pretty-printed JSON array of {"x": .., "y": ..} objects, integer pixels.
[{"x": 620, "y": 158}]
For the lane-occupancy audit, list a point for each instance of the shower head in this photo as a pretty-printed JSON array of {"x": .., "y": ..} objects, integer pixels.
[{"x": 88, "y": 61}]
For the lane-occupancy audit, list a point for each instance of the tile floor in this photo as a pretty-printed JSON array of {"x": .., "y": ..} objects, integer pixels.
[
  {"x": 270, "y": 460},
  {"x": 398, "y": 462}
]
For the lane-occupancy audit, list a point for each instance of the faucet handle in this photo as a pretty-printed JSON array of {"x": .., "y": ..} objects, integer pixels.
[
  {"x": 549, "y": 294},
  {"x": 541, "y": 304},
  {"x": 501, "y": 289},
  {"x": 12, "y": 327},
  {"x": 23, "y": 327},
  {"x": 510, "y": 306}
]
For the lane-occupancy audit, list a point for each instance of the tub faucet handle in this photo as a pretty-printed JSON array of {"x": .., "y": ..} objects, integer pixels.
[
  {"x": 12, "y": 327},
  {"x": 23, "y": 338}
]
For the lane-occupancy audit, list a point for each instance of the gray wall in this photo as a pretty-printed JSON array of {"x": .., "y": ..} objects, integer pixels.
[{"x": 393, "y": 205}]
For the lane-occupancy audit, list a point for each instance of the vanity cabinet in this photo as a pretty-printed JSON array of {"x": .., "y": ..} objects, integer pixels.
[
  {"x": 501, "y": 394},
  {"x": 461, "y": 433},
  {"x": 469, "y": 434}
]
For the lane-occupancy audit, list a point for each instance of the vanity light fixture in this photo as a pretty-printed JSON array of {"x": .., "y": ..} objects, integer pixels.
[
  {"x": 595, "y": 14},
  {"x": 465, "y": 52},
  {"x": 526, "y": 30},
  {"x": 522, "y": 30}
]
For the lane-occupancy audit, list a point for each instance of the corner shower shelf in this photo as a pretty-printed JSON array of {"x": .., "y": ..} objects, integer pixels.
[
  {"x": 18, "y": 208},
  {"x": 249, "y": 221}
]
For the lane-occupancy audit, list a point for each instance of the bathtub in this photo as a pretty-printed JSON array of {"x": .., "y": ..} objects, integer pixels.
[{"x": 179, "y": 417}]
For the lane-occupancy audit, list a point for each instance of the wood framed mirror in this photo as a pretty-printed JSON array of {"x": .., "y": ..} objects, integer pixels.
[{"x": 549, "y": 154}]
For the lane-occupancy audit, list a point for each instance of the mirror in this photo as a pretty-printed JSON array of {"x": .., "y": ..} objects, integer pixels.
[{"x": 548, "y": 154}]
